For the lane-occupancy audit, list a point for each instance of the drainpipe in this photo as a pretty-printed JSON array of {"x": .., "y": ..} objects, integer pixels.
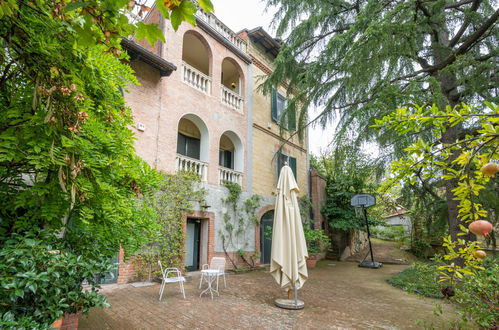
[{"x": 249, "y": 137}]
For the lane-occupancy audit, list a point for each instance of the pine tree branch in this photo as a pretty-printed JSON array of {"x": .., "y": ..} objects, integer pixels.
[
  {"x": 484, "y": 57},
  {"x": 316, "y": 39},
  {"x": 469, "y": 41},
  {"x": 425, "y": 186},
  {"x": 458, "y": 4},
  {"x": 434, "y": 27},
  {"x": 319, "y": 116},
  {"x": 465, "y": 25},
  {"x": 465, "y": 46},
  {"x": 423, "y": 62}
]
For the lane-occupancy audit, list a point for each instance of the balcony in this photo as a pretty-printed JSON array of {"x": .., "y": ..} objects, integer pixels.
[
  {"x": 196, "y": 78},
  {"x": 184, "y": 163},
  {"x": 228, "y": 175},
  {"x": 231, "y": 99},
  {"x": 222, "y": 29}
]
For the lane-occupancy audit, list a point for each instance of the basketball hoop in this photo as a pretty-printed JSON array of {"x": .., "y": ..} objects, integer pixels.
[{"x": 360, "y": 202}]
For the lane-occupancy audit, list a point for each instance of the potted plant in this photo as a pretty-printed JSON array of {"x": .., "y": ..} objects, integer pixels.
[{"x": 317, "y": 243}]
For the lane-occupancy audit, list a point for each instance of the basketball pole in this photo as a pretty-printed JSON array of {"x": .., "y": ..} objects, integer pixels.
[
  {"x": 363, "y": 201},
  {"x": 368, "y": 233}
]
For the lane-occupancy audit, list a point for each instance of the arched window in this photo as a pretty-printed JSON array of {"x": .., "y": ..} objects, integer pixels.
[
  {"x": 196, "y": 58},
  {"x": 232, "y": 84},
  {"x": 193, "y": 146},
  {"x": 231, "y": 159}
]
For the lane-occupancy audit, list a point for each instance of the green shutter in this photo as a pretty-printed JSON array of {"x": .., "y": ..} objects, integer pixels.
[
  {"x": 274, "y": 105},
  {"x": 292, "y": 117},
  {"x": 292, "y": 164}
]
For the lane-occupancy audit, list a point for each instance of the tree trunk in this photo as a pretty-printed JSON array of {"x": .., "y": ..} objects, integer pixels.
[{"x": 448, "y": 85}]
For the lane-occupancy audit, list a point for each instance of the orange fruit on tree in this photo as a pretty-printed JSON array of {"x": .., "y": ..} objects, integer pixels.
[
  {"x": 479, "y": 254},
  {"x": 490, "y": 169},
  {"x": 480, "y": 227}
]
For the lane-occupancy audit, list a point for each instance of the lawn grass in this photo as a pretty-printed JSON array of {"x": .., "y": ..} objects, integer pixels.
[{"x": 420, "y": 278}]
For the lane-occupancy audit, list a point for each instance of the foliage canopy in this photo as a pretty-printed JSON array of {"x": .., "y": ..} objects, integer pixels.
[
  {"x": 360, "y": 60},
  {"x": 71, "y": 186}
]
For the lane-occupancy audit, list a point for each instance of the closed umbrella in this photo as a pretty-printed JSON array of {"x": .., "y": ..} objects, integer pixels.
[{"x": 289, "y": 249}]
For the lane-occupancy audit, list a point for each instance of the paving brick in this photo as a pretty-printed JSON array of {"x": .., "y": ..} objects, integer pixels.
[{"x": 340, "y": 297}]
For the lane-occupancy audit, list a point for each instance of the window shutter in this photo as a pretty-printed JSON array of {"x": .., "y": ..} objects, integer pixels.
[
  {"x": 292, "y": 117},
  {"x": 279, "y": 164},
  {"x": 274, "y": 105},
  {"x": 221, "y": 157},
  {"x": 292, "y": 164},
  {"x": 181, "y": 144},
  {"x": 228, "y": 159},
  {"x": 193, "y": 147}
]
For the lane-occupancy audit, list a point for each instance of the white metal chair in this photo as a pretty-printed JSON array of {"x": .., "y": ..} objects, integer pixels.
[
  {"x": 218, "y": 264},
  {"x": 171, "y": 275}
]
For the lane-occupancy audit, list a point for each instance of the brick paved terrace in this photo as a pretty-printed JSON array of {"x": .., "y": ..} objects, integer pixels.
[{"x": 343, "y": 296}]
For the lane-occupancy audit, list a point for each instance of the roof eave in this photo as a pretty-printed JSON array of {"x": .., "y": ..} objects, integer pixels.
[{"x": 139, "y": 53}]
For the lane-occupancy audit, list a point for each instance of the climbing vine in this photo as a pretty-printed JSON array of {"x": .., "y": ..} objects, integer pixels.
[
  {"x": 172, "y": 201},
  {"x": 237, "y": 222}
]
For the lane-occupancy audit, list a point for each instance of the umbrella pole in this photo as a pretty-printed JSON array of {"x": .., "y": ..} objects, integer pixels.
[{"x": 296, "y": 294}]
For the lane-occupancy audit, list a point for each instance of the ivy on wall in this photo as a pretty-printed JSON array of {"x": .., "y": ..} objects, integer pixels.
[
  {"x": 237, "y": 222},
  {"x": 173, "y": 200}
]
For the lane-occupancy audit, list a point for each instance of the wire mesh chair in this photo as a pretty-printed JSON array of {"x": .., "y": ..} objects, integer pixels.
[
  {"x": 171, "y": 275},
  {"x": 218, "y": 264}
]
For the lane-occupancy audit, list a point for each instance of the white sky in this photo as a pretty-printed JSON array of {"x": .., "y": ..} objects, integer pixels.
[{"x": 240, "y": 14}]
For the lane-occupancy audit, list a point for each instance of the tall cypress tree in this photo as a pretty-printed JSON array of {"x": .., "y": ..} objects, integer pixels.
[{"x": 361, "y": 59}]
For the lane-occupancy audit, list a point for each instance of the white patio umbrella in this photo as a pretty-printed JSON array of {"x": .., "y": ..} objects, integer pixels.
[{"x": 289, "y": 250}]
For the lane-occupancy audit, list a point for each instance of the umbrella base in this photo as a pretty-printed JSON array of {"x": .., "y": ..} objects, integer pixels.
[{"x": 289, "y": 304}]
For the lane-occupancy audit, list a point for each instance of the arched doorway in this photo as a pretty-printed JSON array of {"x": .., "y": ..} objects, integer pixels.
[
  {"x": 232, "y": 84},
  {"x": 192, "y": 146},
  {"x": 196, "y": 62},
  {"x": 231, "y": 163},
  {"x": 266, "y": 225}
]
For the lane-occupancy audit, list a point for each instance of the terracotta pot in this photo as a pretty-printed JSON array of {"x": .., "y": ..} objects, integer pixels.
[
  {"x": 57, "y": 324},
  {"x": 311, "y": 261}
]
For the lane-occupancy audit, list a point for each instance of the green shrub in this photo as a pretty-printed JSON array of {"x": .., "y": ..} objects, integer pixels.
[
  {"x": 420, "y": 278},
  {"x": 393, "y": 233},
  {"x": 317, "y": 241},
  {"x": 478, "y": 296},
  {"x": 40, "y": 283}
]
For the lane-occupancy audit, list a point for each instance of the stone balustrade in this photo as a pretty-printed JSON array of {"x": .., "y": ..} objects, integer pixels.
[
  {"x": 184, "y": 163},
  {"x": 231, "y": 98},
  {"x": 195, "y": 78},
  {"x": 221, "y": 28},
  {"x": 228, "y": 175}
]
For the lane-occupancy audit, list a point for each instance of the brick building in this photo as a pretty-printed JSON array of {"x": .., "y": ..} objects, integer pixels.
[{"x": 198, "y": 108}]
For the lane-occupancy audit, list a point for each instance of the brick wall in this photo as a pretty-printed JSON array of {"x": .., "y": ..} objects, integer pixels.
[
  {"x": 126, "y": 270},
  {"x": 318, "y": 197},
  {"x": 267, "y": 135}
]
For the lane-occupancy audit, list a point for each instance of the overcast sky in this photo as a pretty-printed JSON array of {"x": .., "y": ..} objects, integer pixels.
[{"x": 241, "y": 14}]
